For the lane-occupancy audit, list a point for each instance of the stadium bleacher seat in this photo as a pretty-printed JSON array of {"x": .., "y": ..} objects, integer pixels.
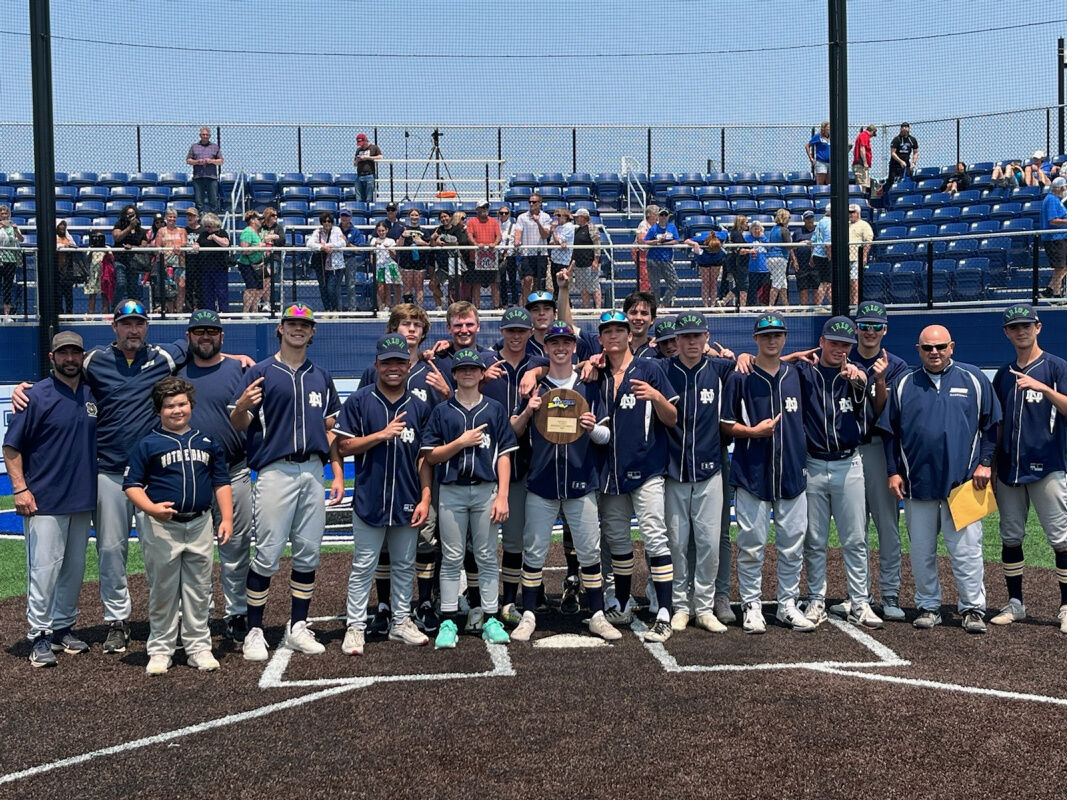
[
  {"x": 928, "y": 185},
  {"x": 1032, "y": 209},
  {"x": 735, "y": 192},
  {"x": 553, "y": 179},
  {"x": 770, "y": 205},
  {"x": 708, "y": 192},
  {"x": 960, "y": 248},
  {"x": 89, "y": 208},
  {"x": 345, "y": 179},
  {"x": 64, "y": 208},
  {"x": 143, "y": 179},
  {"x": 290, "y": 179},
  {"x": 946, "y": 213},
  {"x": 897, "y": 250},
  {"x": 746, "y": 179},
  {"x": 915, "y": 216},
  {"x": 92, "y": 192},
  {"x": 325, "y": 192},
  {"x": 799, "y": 205},
  {"x": 974, "y": 212},
  {"x": 524, "y": 179},
  {"x": 966, "y": 197},
  {"x": 937, "y": 199},
  {"x": 719, "y": 179},
  {"x": 904, "y": 202},
  {"x": 183, "y": 193},
  {"x": 578, "y": 193},
  {"x": 66, "y": 193},
  {"x": 312, "y": 179},
  {"x": 174, "y": 178},
  {"x": 115, "y": 206},
  {"x": 129, "y": 193},
  {"x": 156, "y": 193},
  {"x": 113, "y": 179},
  {"x": 1005, "y": 210},
  {"x": 895, "y": 215},
  {"x": 773, "y": 178},
  {"x": 993, "y": 195},
  {"x": 892, "y": 232},
  {"x": 1022, "y": 193},
  {"x": 550, "y": 193},
  {"x": 953, "y": 229},
  {"x": 292, "y": 192},
  {"x": 693, "y": 179},
  {"x": 985, "y": 226},
  {"x": 662, "y": 181},
  {"x": 674, "y": 194},
  {"x": 744, "y": 205},
  {"x": 801, "y": 177},
  {"x": 716, "y": 205},
  {"x": 581, "y": 179},
  {"x": 152, "y": 206},
  {"x": 904, "y": 286}
]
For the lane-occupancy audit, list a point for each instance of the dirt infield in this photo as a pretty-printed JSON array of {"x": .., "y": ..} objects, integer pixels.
[{"x": 836, "y": 713}]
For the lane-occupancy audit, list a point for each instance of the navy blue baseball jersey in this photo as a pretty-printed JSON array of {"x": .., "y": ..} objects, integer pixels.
[
  {"x": 290, "y": 421},
  {"x": 564, "y": 471},
  {"x": 181, "y": 468},
  {"x": 585, "y": 346},
  {"x": 216, "y": 386},
  {"x": 645, "y": 350},
  {"x": 638, "y": 447},
  {"x": 897, "y": 366},
  {"x": 1033, "y": 439},
  {"x": 123, "y": 391},
  {"x": 833, "y": 410},
  {"x": 57, "y": 436},
  {"x": 772, "y": 468},
  {"x": 387, "y": 486},
  {"x": 938, "y": 427},
  {"x": 505, "y": 390},
  {"x": 471, "y": 464},
  {"x": 694, "y": 443},
  {"x": 444, "y": 360},
  {"x": 416, "y": 382}
]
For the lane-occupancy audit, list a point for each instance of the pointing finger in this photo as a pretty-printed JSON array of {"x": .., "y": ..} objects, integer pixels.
[{"x": 777, "y": 417}]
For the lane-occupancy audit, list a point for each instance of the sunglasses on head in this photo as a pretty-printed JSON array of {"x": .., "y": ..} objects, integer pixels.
[
  {"x": 870, "y": 326},
  {"x": 929, "y": 348},
  {"x": 131, "y": 307},
  {"x": 614, "y": 316}
]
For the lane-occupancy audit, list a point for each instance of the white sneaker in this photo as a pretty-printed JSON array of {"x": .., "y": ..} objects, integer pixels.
[
  {"x": 157, "y": 664},
  {"x": 300, "y": 639},
  {"x": 407, "y": 633},
  {"x": 863, "y": 615},
  {"x": 753, "y": 621},
  {"x": 789, "y": 614},
  {"x": 723, "y": 612},
  {"x": 354, "y": 640},
  {"x": 255, "y": 646},
  {"x": 710, "y": 623},
  {"x": 679, "y": 620},
  {"x": 1012, "y": 612},
  {"x": 816, "y": 612},
  {"x": 599, "y": 625},
  {"x": 842, "y": 609},
  {"x": 1062, "y": 617},
  {"x": 524, "y": 630},
  {"x": 203, "y": 661}
]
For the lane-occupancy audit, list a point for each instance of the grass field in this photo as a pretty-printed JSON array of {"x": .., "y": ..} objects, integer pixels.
[{"x": 1038, "y": 553}]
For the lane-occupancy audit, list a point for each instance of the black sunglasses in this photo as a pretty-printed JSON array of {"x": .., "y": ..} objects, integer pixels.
[
  {"x": 929, "y": 348},
  {"x": 870, "y": 326}
]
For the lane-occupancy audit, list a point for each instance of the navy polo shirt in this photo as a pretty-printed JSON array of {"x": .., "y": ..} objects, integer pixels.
[
  {"x": 416, "y": 382},
  {"x": 181, "y": 468},
  {"x": 450, "y": 419},
  {"x": 833, "y": 410},
  {"x": 216, "y": 386},
  {"x": 771, "y": 468},
  {"x": 291, "y": 418},
  {"x": 694, "y": 444},
  {"x": 57, "y": 437},
  {"x": 897, "y": 366},
  {"x": 123, "y": 396},
  {"x": 1033, "y": 436},
  {"x": 387, "y": 486}
]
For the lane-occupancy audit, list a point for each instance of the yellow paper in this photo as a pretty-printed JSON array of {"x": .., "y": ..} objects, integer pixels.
[{"x": 968, "y": 505}]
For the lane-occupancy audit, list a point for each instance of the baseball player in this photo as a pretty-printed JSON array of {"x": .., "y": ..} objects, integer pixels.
[
  {"x": 941, "y": 426},
  {"x": 382, "y": 425},
  {"x": 762, "y": 411},
  {"x": 469, "y": 439},
  {"x": 640, "y": 311},
  {"x": 50, "y": 454},
  {"x": 663, "y": 337},
  {"x": 172, "y": 475},
  {"x": 1030, "y": 457},
  {"x": 694, "y": 492},
  {"x": 834, "y": 392},
  {"x": 563, "y": 479},
  {"x": 217, "y": 380},
  {"x": 288, "y": 407},
  {"x": 639, "y": 407}
]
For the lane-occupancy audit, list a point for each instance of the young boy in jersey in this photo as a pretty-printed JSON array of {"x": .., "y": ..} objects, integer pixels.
[
  {"x": 762, "y": 411},
  {"x": 468, "y": 439},
  {"x": 172, "y": 476},
  {"x": 382, "y": 425},
  {"x": 1031, "y": 456},
  {"x": 563, "y": 479},
  {"x": 663, "y": 337}
]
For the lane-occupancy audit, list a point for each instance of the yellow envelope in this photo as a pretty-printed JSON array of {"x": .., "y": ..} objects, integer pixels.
[{"x": 968, "y": 505}]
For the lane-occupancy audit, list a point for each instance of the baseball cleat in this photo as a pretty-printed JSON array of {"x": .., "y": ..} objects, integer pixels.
[
  {"x": 510, "y": 615},
  {"x": 972, "y": 621},
  {"x": 353, "y": 642},
  {"x": 570, "y": 601},
  {"x": 158, "y": 664},
  {"x": 599, "y": 625},
  {"x": 41, "y": 655},
  {"x": 620, "y": 616},
  {"x": 447, "y": 635},
  {"x": 841, "y": 610},
  {"x": 118, "y": 636},
  {"x": 891, "y": 609},
  {"x": 475, "y": 618},
  {"x": 301, "y": 639},
  {"x": 1012, "y": 612},
  {"x": 1062, "y": 617},
  {"x": 493, "y": 631},
  {"x": 659, "y": 632},
  {"x": 863, "y": 615},
  {"x": 710, "y": 623},
  {"x": 753, "y": 621},
  {"x": 237, "y": 628},
  {"x": 426, "y": 619},
  {"x": 64, "y": 641},
  {"x": 383, "y": 618},
  {"x": 407, "y": 633},
  {"x": 679, "y": 620},
  {"x": 788, "y": 614},
  {"x": 816, "y": 612},
  {"x": 202, "y": 660},
  {"x": 927, "y": 619},
  {"x": 255, "y": 646},
  {"x": 525, "y": 628},
  {"x": 723, "y": 612}
]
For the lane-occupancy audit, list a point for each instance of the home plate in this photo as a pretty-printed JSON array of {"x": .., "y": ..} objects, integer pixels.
[{"x": 570, "y": 640}]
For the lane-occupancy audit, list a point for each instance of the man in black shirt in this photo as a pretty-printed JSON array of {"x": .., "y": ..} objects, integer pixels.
[{"x": 903, "y": 156}]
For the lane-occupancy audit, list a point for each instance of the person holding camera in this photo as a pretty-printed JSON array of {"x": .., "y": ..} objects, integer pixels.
[{"x": 129, "y": 266}]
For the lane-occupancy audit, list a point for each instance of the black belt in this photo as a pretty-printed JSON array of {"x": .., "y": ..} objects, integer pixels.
[
  {"x": 300, "y": 458},
  {"x": 840, "y": 455},
  {"x": 189, "y": 516}
]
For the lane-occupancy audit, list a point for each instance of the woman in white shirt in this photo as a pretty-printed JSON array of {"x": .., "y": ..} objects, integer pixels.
[
  {"x": 563, "y": 237},
  {"x": 329, "y": 243}
]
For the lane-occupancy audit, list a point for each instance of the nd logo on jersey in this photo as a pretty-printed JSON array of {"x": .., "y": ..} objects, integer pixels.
[
  {"x": 315, "y": 399},
  {"x": 1033, "y": 397},
  {"x": 419, "y": 393},
  {"x": 407, "y": 435},
  {"x": 707, "y": 396},
  {"x": 844, "y": 405},
  {"x": 486, "y": 441},
  {"x": 791, "y": 404},
  {"x": 628, "y": 401}
]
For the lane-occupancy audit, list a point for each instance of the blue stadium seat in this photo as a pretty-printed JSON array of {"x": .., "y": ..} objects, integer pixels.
[
  {"x": 927, "y": 172},
  {"x": 7, "y": 193},
  {"x": 24, "y": 208},
  {"x": 777, "y": 178},
  {"x": 113, "y": 179},
  {"x": 722, "y": 179},
  {"x": 708, "y": 192},
  {"x": 734, "y": 192},
  {"x": 820, "y": 193},
  {"x": 700, "y": 224},
  {"x": 320, "y": 206},
  {"x": 895, "y": 251},
  {"x": 795, "y": 191},
  {"x": 129, "y": 193},
  {"x": 66, "y": 193},
  {"x": 578, "y": 193},
  {"x": 906, "y": 201},
  {"x": 974, "y": 212},
  {"x": 26, "y": 193},
  {"x": 937, "y": 199},
  {"x": 156, "y": 193},
  {"x": 904, "y": 287},
  {"x": 945, "y": 264},
  {"x": 960, "y": 248},
  {"x": 287, "y": 179},
  {"x": 550, "y": 193},
  {"x": 143, "y": 179},
  {"x": 966, "y": 197},
  {"x": 326, "y": 192},
  {"x": 548, "y": 206},
  {"x": 299, "y": 207},
  {"x": 993, "y": 195},
  {"x": 553, "y": 179},
  {"x": 61, "y": 178},
  {"x": 674, "y": 194},
  {"x": 1032, "y": 209},
  {"x": 693, "y": 179},
  {"x": 115, "y": 206},
  {"x": 685, "y": 209},
  {"x": 904, "y": 186},
  {"x": 343, "y": 179},
  {"x": 744, "y": 205},
  {"x": 89, "y": 208},
  {"x": 1022, "y": 225},
  {"x": 928, "y": 185},
  {"x": 1026, "y": 193},
  {"x": 152, "y": 206},
  {"x": 296, "y": 193},
  {"x": 716, "y": 205},
  {"x": 946, "y": 213},
  {"x": 79, "y": 222},
  {"x": 917, "y": 215},
  {"x": 517, "y": 193},
  {"x": 175, "y": 178},
  {"x": 771, "y": 204},
  {"x": 746, "y": 179},
  {"x": 895, "y": 215},
  {"x": 1005, "y": 210},
  {"x": 525, "y": 179},
  {"x": 316, "y": 179},
  {"x": 968, "y": 284},
  {"x": 985, "y": 226},
  {"x": 92, "y": 193},
  {"x": 181, "y": 193},
  {"x": 892, "y": 232},
  {"x": 661, "y": 181},
  {"x": 799, "y": 205},
  {"x": 765, "y": 192},
  {"x": 803, "y": 177},
  {"x": 953, "y": 229},
  {"x": 77, "y": 179}
]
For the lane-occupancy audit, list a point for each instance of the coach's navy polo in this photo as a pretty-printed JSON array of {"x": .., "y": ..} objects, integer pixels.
[
  {"x": 772, "y": 467},
  {"x": 694, "y": 444},
  {"x": 123, "y": 393},
  {"x": 416, "y": 382},
  {"x": 564, "y": 471},
  {"x": 216, "y": 386},
  {"x": 638, "y": 447},
  {"x": 471, "y": 464},
  {"x": 936, "y": 433},
  {"x": 505, "y": 390},
  {"x": 57, "y": 437},
  {"x": 833, "y": 411},
  {"x": 1033, "y": 438},
  {"x": 897, "y": 367},
  {"x": 387, "y": 486},
  {"x": 180, "y": 468},
  {"x": 290, "y": 420}
]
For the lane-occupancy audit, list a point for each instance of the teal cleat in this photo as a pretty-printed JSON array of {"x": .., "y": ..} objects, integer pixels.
[
  {"x": 493, "y": 631},
  {"x": 447, "y": 634}
]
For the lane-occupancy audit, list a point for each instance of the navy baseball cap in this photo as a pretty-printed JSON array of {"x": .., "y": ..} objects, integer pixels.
[
  {"x": 839, "y": 329},
  {"x": 770, "y": 323},
  {"x": 344, "y": 212},
  {"x": 392, "y": 345},
  {"x": 516, "y": 318},
  {"x": 560, "y": 330},
  {"x": 664, "y": 329},
  {"x": 130, "y": 309},
  {"x": 540, "y": 297},
  {"x": 204, "y": 318},
  {"x": 299, "y": 311},
  {"x": 613, "y": 318},
  {"x": 467, "y": 358},
  {"x": 871, "y": 311},
  {"x": 1016, "y": 315},
  {"x": 691, "y": 322}
]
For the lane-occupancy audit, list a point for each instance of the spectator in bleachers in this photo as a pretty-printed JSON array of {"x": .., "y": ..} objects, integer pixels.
[
  {"x": 903, "y": 157},
  {"x": 174, "y": 239},
  {"x": 800, "y": 259},
  {"x": 585, "y": 261},
  {"x": 273, "y": 234},
  {"x": 386, "y": 272},
  {"x": 709, "y": 258},
  {"x": 859, "y": 230},
  {"x": 65, "y": 268},
  {"x": 862, "y": 158},
  {"x": 416, "y": 261},
  {"x": 205, "y": 158},
  {"x": 396, "y": 226},
  {"x": 759, "y": 271},
  {"x": 640, "y": 254},
  {"x": 1009, "y": 176},
  {"x": 101, "y": 279},
  {"x": 250, "y": 261},
  {"x": 532, "y": 230},
  {"x": 563, "y": 239},
  {"x": 464, "y": 258},
  {"x": 1054, "y": 215},
  {"x": 154, "y": 276},
  {"x": 328, "y": 245},
  {"x": 212, "y": 258},
  {"x": 661, "y": 272},
  {"x": 1035, "y": 173},
  {"x": 355, "y": 259},
  {"x": 958, "y": 181},
  {"x": 820, "y": 257},
  {"x": 129, "y": 267},
  {"x": 778, "y": 259},
  {"x": 818, "y": 150},
  {"x": 367, "y": 154},
  {"x": 194, "y": 292},
  {"x": 484, "y": 231},
  {"x": 509, "y": 267},
  {"x": 736, "y": 265},
  {"x": 445, "y": 259}
]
